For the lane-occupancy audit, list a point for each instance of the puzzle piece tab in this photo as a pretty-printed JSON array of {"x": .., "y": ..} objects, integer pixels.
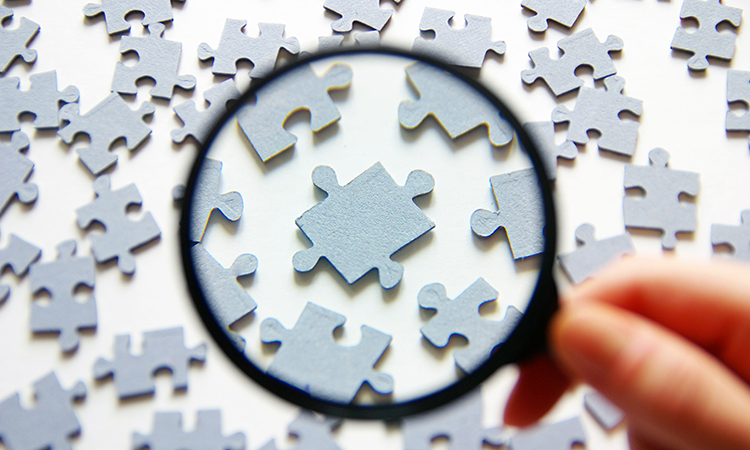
[
  {"x": 738, "y": 90},
  {"x": 564, "y": 12},
  {"x": 543, "y": 134},
  {"x": 206, "y": 435},
  {"x": 18, "y": 255},
  {"x": 13, "y": 41},
  {"x": 737, "y": 237},
  {"x": 15, "y": 169},
  {"x": 557, "y": 436},
  {"x": 706, "y": 40},
  {"x": 206, "y": 199},
  {"x": 366, "y": 12},
  {"x": 592, "y": 255},
  {"x": 199, "y": 123},
  {"x": 115, "y": 11},
  {"x": 42, "y": 99},
  {"x": 312, "y": 433}
]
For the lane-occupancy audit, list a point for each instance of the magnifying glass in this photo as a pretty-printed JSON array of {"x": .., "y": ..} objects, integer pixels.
[{"x": 389, "y": 260}]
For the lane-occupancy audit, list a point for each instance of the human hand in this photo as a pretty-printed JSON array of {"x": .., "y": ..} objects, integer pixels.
[{"x": 667, "y": 341}]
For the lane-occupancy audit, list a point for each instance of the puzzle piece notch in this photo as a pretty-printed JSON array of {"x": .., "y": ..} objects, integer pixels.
[
  {"x": 225, "y": 296},
  {"x": 361, "y": 38},
  {"x": 465, "y": 47},
  {"x": 310, "y": 360},
  {"x": 49, "y": 424},
  {"x": 15, "y": 41},
  {"x": 580, "y": 49},
  {"x": 592, "y": 254},
  {"x": 299, "y": 89},
  {"x": 162, "y": 349},
  {"x": 557, "y": 436},
  {"x": 520, "y": 213},
  {"x": 110, "y": 120},
  {"x": 18, "y": 255},
  {"x": 461, "y": 317},
  {"x": 206, "y": 200},
  {"x": 738, "y": 90},
  {"x": 543, "y": 134},
  {"x": 199, "y": 123},
  {"x": 312, "y": 433},
  {"x": 121, "y": 235},
  {"x": 158, "y": 59},
  {"x": 168, "y": 434},
  {"x": 455, "y": 105},
  {"x": 15, "y": 169},
  {"x": 606, "y": 414},
  {"x": 661, "y": 208},
  {"x": 115, "y": 12},
  {"x": 737, "y": 237},
  {"x": 236, "y": 46},
  {"x": 366, "y": 12},
  {"x": 357, "y": 227},
  {"x": 42, "y": 99},
  {"x": 564, "y": 12},
  {"x": 706, "y": 40},
  {"x": 64, "y": 314}
]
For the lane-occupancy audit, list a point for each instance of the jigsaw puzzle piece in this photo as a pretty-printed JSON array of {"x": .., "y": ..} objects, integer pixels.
[
  {"x": 706, "y": 40},
  {"x": 366, "y": 12},
  {"x": 206, "y": 434},
  {"x": 312, "y": 433},
  {"x": 564, "y": 12},
  {"x": 464, "y": 47},
  {"x": 592, "y": 254},
  {"x": 543, "y": 135},
  {"x": 263, "y": 122},
  {"x": 520, "y": 212},
  {"x": 311, "y": 360},
  {"x": 738, "y": 90},
  {"x": 115, "y": 11},
  {"x": 42, "y": 99},
  {"x": 64, "y": 314},
  {"x": 361, "y": 38},
  {"x": 13, "y": 42},
  {"x": 206, "y": 199},
  {"x": 606, "y": 414},
  {"x": 360, "y": 225},
  {"x": 737, "y": 237},
  {"x": 198, "y": 124},
  {"x": 18, "y": 255},
  {"x": 557, "y": 436},
  {"x": 15, "y": 169}
]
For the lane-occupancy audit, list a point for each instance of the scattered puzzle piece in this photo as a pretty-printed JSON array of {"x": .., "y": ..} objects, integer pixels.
[
  {"x": 311, "y": 360},
  {"x": 706, "y": 40},
  {"x": 461, "y": 317},
  {"x": 198, "y": 124},
  {"x": 466, "y": 47},
  {"x": 64, "y": 314},
  {"x": 580, "y": 49},
  {"x": 227, "y": 299},
  {"x": 162, "y": 349},
  {"x": 592, "y": 254},
  {"x": 15, "y": 169},
  {"x": 557, "y": 436},
  {"x": 362, "y": 38},
  {"x": 206, "y": 434},
  {"x": 564, "y": 12},
  {"x": 311, "y": 432},
  {"x": 206, "y": 199},
  {"x": 366, "y": 12},
  {"x": 737, "y": 237},
  {"x": 42, "y": 99},
  {"x": 602, "y": 410},
  {"x": 543, "y": 134},
  {"x": 520, "y": 211},
  {"x": 18, "y": 255},
  {"x": 661, "y": 208},
  {"x": 738, "y": 90},
  {"x": 263, "y": 122},
  {"x": 456, "y": 106},
  {"x": 158, "y": 59},
  {"x": 13, "y": 42},
  {"x": 360, "y": 225},
  {"x": 115, "y": 11},
  {"x": 235, "y": 46},
  {"x": 49, "y": 424},
  {"x": 107, "y": 122},
  {"x": 121, "y": 235}
]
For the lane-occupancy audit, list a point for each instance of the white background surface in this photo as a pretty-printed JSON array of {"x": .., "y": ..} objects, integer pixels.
[{"x": 683, "y": 113}]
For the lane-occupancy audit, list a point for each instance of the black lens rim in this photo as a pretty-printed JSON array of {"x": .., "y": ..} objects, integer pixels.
[{"x": 528, "y": 339}]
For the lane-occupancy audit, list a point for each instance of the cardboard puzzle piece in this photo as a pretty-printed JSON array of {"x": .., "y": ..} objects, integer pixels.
[
  {"x": 311, "y": 360},
  {"x": 706, "y": 40},
  {"x": 606, "y": 414},
  {"x": 455, "y": 105},
  {"x": 564, "y": 12},
  {"x": 207, "y": 199},
  {"x": 115, "y": 11},
  {"x": 738, "y": 90},
  {"x": 366, "y": 12},
  {"x": 110, "y": 120},
  {"x": 236, "y": 46},
  {"x": 361, "y": 38},
  {"x": 158, "y": 59},
  {"x": 312, "y": 433},
  {"x": 737, "y": 237},
  {"x": 599, "y": 110},
  {"x": 460, "y": 421},
  {"x": 466, "y": 47},
  {"x": 661, "y": 208},
  {"x": 520, "y": 211},
  {"x": 543, "y": 135},
  {"x": 49, "y": 424},
  {"x": 557, "y": 436},
  {"x": 206, "y": 434},
  {"x": 121, "y": 235},
  {"x": 18, "y": 255},
  {"x": 162, "y": 349},
  {"x": 461, "y": 317},
  {"x": 580, "y": 49},
  {"x": 299, "y": 89},
  {"x": 41, "y": 99},
  {"x": 225, "y": 296},
  {"x": 13, "y": 41},
  {"x": 15, "y": 169},
  {"x": 199, "y": 123},
  {"x": 64, "y": 314},
  {"x": 592, "y": 254},
  {"x": 357, "y": 227}
]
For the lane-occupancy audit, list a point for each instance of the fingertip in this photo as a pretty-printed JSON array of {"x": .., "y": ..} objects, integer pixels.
[{"x": 540, "y": 384}]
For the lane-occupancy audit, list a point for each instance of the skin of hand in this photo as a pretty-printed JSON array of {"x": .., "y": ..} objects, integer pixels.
[{"x": 668, "y": 341}]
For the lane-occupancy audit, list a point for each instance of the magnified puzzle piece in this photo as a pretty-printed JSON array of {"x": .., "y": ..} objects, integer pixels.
[
  {"x": 737, "y": 237},
  {"x": 18, "y": 255},
  {"x": 707, "y": 40},
  {"x": 592, "y": 255},
  {"x": 366, "y": 12},
  {"x": 206, "y": 433},
  {"x": 15, "y": 169},
  {"x": 564, "y": 12},
  {"x": 312, "y": 433},
  {"x": 207, "y": 199},
  {"x": 13, "y": 41}
]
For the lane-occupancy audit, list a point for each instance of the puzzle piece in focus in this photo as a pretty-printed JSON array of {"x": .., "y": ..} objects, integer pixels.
[
  {"x": 206, "y": 434},
  {"x": 225, "y": 296},
  {"x": 115, "y": 11},
  {"x": 198, "y": 124},
  {"x": 606, "y": 414},
  {"x": 706, "y": 40},
  {"x": 600, "y": 110},
  {"x": 580, "y": 49},
  {"x": 311, "y": 360},
  {"x": 42, "y": 99},
  {"x": 738, "y": 90},
  {"x": 564, "y": 12},
  {"x": 206, "y": 199},
  {"x": 456, "y": 106},
  {"x": 520, "y": 211},
  {"x": 235, "y": 46},
  {"x": 557, "y": 436},
  {"x": 312, "y": 433},
  {"x": 466, "y": 47},
  {"x": 13, "y": 42},
  {"x": 366, "y": 12},
  {"x": 49, "y": 424},
  {"x": 543, "y": 135},
  {"x": 661, "y": 208},
  {"x": 121, "y": 235},
  {"x": 461, "y": 317},
  {"x": 737, "y": 237},
  {"x": 18, "y": 255},
  {"x": 107, "y": 122},
  {"x": 360, "y": 225},
  {"x": 64, "y": 314},
  {"x": 162, "y": 349},
  {"x": 592, "y": 254},
  {"x": 298, "y": 89},
  {"x": 362, "y": 38},
  {"x": 15, "y": 169}
]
